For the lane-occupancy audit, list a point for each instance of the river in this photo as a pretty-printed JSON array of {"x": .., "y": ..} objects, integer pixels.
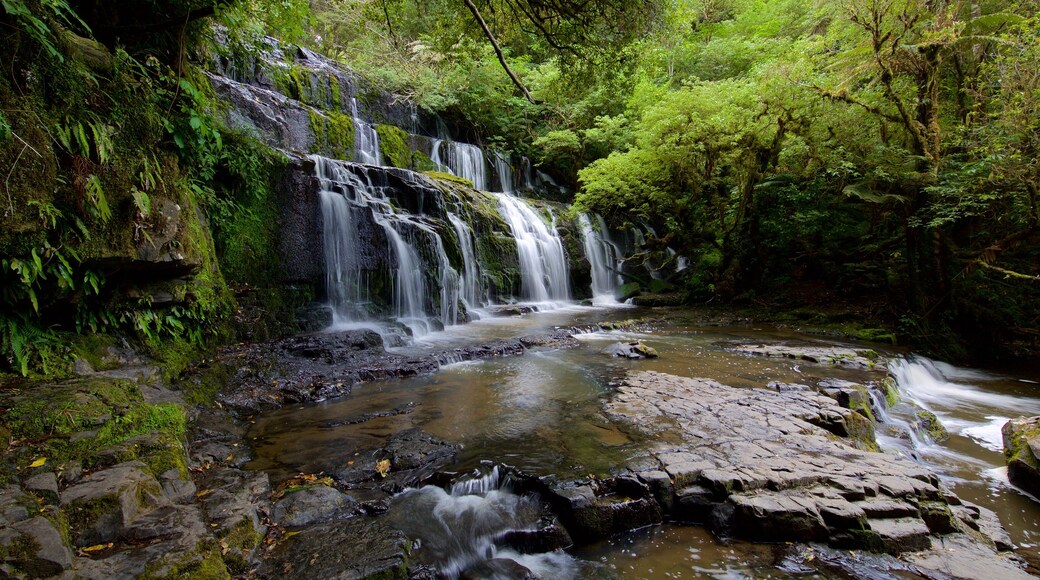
[{"x": 542, "y": 413}]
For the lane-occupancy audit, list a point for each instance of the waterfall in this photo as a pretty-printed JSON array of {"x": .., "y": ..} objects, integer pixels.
[
  {"x": 955, "y": 397},
  {"x": 505, "y": 173},
  {"x": 467, "y": 162},
  {"x": 366, "y": 140},
  {"x": 347, "y": 196},
  {"x": 603, "y": 259},
  {"x": 435, "y": 156},
  {"x": 472, "y": 283},
  {"x": 543, "y": 265}
]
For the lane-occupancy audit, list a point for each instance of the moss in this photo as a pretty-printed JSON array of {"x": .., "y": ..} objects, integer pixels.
[
  {"x": 341, "y": 135},
  {"x": 422, "y": 162},
  {"x": 393, "y": 145},
  {"x": 337, "y": 102},
  {"x": 205, "y": 563},
  {"x": 237, "y": 543},
  {"x": 931, "y": 426},
  {"x": 1016, "y": 445},
  {"x": 442, "y": 176},
  {"x": 861, "y": 430},
  {"x": 891, "y": 392},
  {"x": 319, "y": 132},
  {"x": 93, "y": 348},
  {"x": 83, "y": 515}
]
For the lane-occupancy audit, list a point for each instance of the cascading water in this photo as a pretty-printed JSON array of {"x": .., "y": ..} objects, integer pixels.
[
  {"x": 543, "y": 264},
  {"x": 347, "y": 196},
  {"x": 953, "y": 395},
  {"x": 603, "y": 258},
  {"x": 505, "y": 173},
  {"x": 458, "y": 529},
  {"x": 466, "y": 161},
  {"x": 366, "y": 140},
  {"x": 473, "y": 290}
]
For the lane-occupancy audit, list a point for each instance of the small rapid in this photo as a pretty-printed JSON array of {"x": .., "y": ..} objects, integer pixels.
[{"x": 468, "y": 525}]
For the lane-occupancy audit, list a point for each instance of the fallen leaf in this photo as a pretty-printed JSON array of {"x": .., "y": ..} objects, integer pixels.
[
  {"x": 383, "y": 467},
  {"x": 96, "y": 548},
  {"x": 203, "y": 493},
  {"x": 39, "y": 462}
]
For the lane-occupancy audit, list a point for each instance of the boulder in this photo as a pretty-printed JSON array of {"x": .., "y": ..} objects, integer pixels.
[
  {"x": 1022, "y": 452},
  {"x": 35, "y": 548},
  {"x": 635, "y": 349},
  {"x": 312, "y": 505},
  {"x": 103, "y": 504}
]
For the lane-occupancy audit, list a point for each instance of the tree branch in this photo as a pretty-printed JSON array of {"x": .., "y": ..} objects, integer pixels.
[{"x": 498, "y": 50}]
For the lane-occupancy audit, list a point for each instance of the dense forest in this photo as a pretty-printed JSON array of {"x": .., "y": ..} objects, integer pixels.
[{"x": 875, "y": 153}]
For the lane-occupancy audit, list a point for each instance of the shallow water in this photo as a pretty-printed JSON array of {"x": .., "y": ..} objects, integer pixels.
[{"x": 541, "y": 412}]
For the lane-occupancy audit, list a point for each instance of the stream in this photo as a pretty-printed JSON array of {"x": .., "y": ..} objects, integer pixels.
[{"x": 541, "y": 413}]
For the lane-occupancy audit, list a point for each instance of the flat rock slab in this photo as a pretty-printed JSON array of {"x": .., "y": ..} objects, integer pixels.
[
  {"x": 361, "y": 547},
  {"x": 768, "y": 466},
  {"x": 830, "y": 355}
]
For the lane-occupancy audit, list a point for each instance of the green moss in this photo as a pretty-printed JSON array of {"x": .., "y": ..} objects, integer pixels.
[
  {"x": 319, "y": 131},
  {"x": 93, "y": 348},
  {"x": 85, "y": 514},
  {"x": 341, "y": 135},
  {"x": 861, "y": 430},
  {"x": 1016, "y": 446},
  {"x": 205, "y": 563},
  {"x": 421, "y": 162},
  {"x": 929, "y": 424},
  {"x": 440, "y": 175},
  {"x": 334, "y": 90},
  {"x": 239, "y": 541},
  {"x": 891, "y": 392},
  {"x": 393, "y": 145}
]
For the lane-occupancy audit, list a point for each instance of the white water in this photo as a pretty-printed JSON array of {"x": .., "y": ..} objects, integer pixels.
[
  {"x": 466, "y": 161},
  {"x": 505, "y": 173},
  {"x": 603, "y": 258},
  {"x": 543, "y": 265},
  {"x": 366, "y": 140},
  {"x": 347, "y": 196},
  {"x": 964, "y": 405},
  {"x": 474, "y": 291},
  {"x": 459, "y": 528}
]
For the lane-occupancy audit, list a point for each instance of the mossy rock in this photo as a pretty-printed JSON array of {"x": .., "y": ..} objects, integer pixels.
[
  {"x": 1022, "y": 452},
  {"x": 393, "y": 146},
  {"x": 442, "y": 176},
  {"x": 931, "y": 426},
  {"x": 629, "y": 290}
]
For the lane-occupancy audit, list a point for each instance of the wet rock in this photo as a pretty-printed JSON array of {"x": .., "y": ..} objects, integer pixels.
[
  {"x": 927, "y": 424},
  {"x": 961, "y": 558},
  {"x": 633, "y": 350},
  {"x": 1022, "y": 453},
  {"x": 549, "y": 536},
  {"x": 603, "y": 507},
  {"x": 44, "y": 485},
  {"x": 230, "y": 499},
  {"x": 828, "y": 355},
  {"x": 766, "y": 465},
  {"x": 13, "y": 504},
  {"x": 312, "y": 505},
  {"x": 361, "y": 547},
  {"x": 497, "y": 569},
  {"x": 104, "y": 503},
  {"x": 178, "y": 488},
  {"x": 413, "y": 455},
  {"x": 35, "y": 548}
]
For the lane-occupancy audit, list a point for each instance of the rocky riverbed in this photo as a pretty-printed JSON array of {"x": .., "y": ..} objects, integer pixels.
[{"x": 170, "y": 495}]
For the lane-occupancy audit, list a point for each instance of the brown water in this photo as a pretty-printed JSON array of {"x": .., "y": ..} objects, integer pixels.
[{"x": 541, "y": 412}]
